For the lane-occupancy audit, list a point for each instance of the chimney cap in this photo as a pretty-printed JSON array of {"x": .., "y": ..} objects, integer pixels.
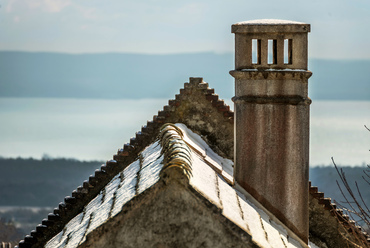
[{"x": 270, "y": 26}]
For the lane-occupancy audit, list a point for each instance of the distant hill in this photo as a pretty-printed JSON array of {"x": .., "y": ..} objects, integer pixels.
[
  {"x": 45, "y": 182},
  {"x": 41, "y": 183},
  {"x": 33, "y": 187},
  {"x": 118, "y": 75},
  {"x": 326, "y": 178}
]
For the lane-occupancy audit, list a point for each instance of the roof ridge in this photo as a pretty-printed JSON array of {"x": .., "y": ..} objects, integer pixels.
[
  {"x": 209, "y": 93},
  {"x": 177, "y": 154},
  {"x": 151, "y": 126},
  {"x": 74, "y": 204},
  {"x": 338, "y": 213}
]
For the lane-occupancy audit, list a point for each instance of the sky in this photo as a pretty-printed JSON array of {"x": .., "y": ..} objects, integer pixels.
[{"x": 339, "y": 28}]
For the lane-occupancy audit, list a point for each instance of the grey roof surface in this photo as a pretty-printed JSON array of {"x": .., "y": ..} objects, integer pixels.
[{"x": 208, "y": 173}]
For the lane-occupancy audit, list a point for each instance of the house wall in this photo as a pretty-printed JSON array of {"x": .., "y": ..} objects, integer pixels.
[{"x": 170, "y": 216}]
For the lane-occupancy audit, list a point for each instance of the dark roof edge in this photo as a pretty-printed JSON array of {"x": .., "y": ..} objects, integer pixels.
[
  {"x": 72, "y": 205},
  {"x": 344, "y": 219}
]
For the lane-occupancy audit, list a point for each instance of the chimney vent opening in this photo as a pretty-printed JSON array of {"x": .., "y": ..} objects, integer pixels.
[
  {"x": 288, "y": 58},
  {"x": 271, "y": 52},
  {"x": 256, "y": 51}
]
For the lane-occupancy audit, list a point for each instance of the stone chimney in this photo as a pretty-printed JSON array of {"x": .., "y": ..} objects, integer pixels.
[{"x": 272, "y": 117}]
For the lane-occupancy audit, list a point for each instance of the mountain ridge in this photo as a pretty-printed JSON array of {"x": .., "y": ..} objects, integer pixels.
[{"x": 134, "y": 76}]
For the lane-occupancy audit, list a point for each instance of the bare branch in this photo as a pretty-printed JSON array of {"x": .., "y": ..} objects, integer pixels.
[
  {"x": 357, "y": 208},
  {"x": 342, "y": 177},
  {"x": 367, "y": 128},
  {"x": 365, "y": 179},
  {"x": 364, "y": 213}
]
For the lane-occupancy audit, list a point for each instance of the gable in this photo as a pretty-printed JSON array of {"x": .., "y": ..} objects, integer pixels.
[
  {"x": 200, "y": 109},
  {"x": 170, "y": 189},
  {"x": 167, "y": 216}
]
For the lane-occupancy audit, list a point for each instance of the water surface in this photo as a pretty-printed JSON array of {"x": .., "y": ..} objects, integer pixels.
[{"x": 89, "y": 129}]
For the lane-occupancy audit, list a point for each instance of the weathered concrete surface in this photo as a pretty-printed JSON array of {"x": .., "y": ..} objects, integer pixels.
[
  {"x": 271, "y": 160},
  {"x": 170, "y": 216},
  {"x": 272, "y": 120},
  {"x": 264, "y": 30}
]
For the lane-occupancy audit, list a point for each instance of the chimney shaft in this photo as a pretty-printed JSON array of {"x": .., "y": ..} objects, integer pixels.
[{"x": 272, "y": 117}]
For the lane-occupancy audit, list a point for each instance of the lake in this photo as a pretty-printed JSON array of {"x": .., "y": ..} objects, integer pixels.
[{"x": 89, "y": 129}]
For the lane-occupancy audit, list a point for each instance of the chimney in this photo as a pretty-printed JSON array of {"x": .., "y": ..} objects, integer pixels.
[{"x": 272, "y": 117}]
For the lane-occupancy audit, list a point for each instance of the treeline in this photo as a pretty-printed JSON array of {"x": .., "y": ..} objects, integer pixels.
[
  {"x": 42, "y": 184},
  {"x": 327, "y": 179},
  {"x": 9, "y": 233},
  {"x": 45, "y": 182}
]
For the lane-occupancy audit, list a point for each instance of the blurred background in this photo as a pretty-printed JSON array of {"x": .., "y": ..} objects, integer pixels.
[{"x": 79, "y": 78}]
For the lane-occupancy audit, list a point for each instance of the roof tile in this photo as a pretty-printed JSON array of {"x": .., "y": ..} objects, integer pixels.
[
  {"x": 230, "y": 205},
  {"x": 145, "y": 172}
]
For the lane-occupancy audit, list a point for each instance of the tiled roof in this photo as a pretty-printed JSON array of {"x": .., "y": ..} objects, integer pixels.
[
  {"x": 90, "y": 188},
  {"x": 178, "y": 149},
  {"x": 348, "y": 224}
]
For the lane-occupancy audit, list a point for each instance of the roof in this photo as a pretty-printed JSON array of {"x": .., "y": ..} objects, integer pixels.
[
  {"x": 130, "y": 173},
  {"x": 197, "y": 106},
  {"x": 330, "y": 224},
  {"x": 178, "y": 148}
]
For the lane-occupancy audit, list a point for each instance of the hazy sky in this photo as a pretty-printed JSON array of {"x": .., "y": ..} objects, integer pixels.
[{"x": 340, "y": 28}]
